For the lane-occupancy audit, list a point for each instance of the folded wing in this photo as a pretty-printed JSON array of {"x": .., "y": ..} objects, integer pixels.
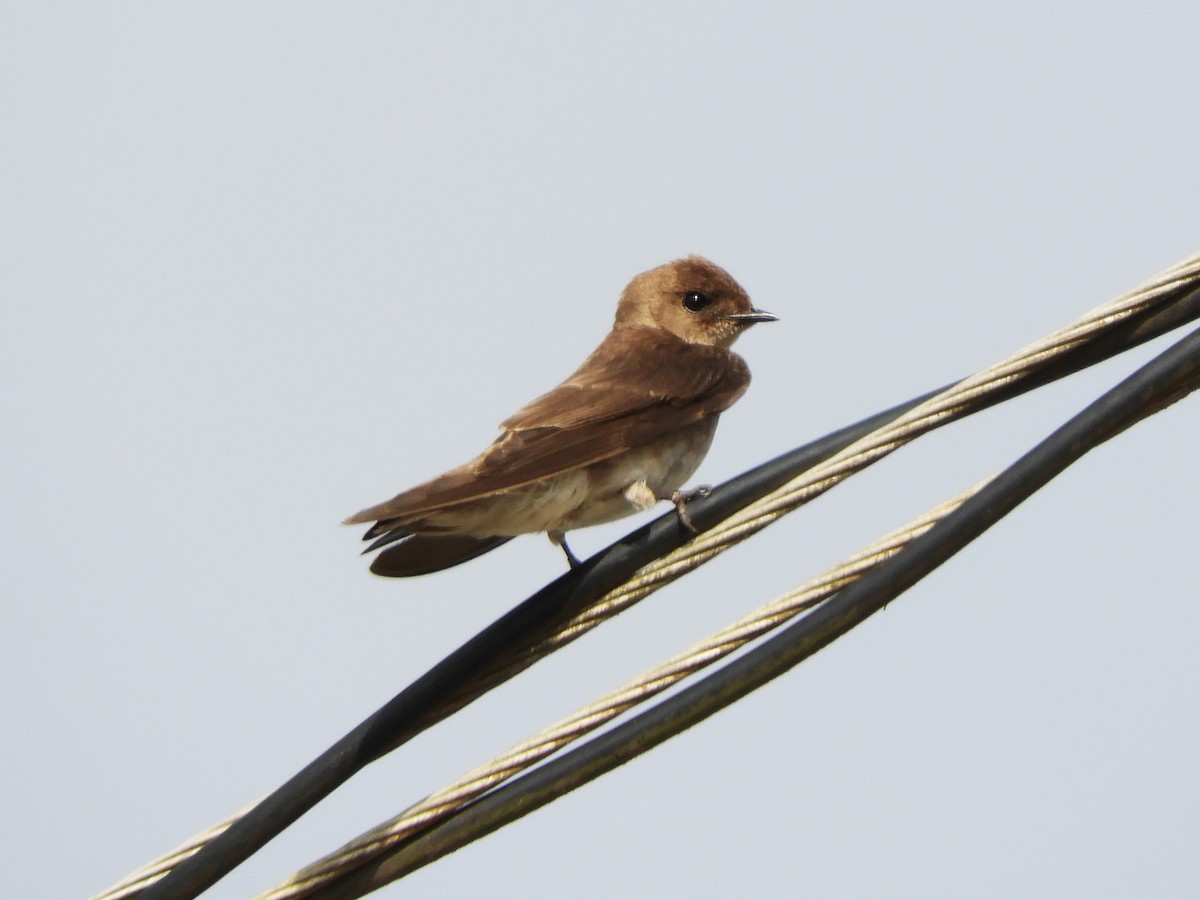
[{"x": 639, "y": 385}]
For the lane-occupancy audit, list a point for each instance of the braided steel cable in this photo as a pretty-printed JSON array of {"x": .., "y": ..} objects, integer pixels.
[
  {"x": 520, "y": 638},
  {"x": 949, "y": 404},
  {"x": 903, "y": 560},
  {"x": 137, "y": 881},
  {"x": 445, "y": 802}
]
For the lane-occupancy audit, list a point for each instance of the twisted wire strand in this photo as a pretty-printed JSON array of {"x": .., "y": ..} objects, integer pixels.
[
  {"x": 1166, "y": 379},
  {"x": 951, "y": 403},
  {"x": 968, "y": 393},
  {"x": 571, "y": 728},
  {"x": 137, "y": 881}
]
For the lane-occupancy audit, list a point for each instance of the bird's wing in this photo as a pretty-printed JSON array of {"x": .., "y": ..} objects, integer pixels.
[
  {"x": 639, "y": 385},
  {"x": 635, "y": 369}
]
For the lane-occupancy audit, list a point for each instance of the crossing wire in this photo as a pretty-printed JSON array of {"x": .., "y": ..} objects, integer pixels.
[{"x": 569, "y": 607}]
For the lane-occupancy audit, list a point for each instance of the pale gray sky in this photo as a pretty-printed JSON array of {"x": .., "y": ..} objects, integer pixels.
[{"x": 265, "y": 264}]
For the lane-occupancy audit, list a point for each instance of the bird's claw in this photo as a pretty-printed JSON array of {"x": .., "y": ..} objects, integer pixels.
[{"x": 681, "y": 498}]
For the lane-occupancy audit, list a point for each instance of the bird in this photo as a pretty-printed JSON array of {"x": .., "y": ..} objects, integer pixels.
[{"x": 624, "y": 432}]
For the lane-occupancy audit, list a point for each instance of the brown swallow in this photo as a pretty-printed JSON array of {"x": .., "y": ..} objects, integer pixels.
[{"x": 625, "y": 431}]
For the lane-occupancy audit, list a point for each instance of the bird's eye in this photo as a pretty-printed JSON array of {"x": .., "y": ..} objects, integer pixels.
[{"x": 694, "y": 301}]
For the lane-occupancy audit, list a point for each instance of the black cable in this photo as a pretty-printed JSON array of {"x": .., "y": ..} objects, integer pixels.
[
  {"x": 1165, "y": 380},
  {"x": 470, "y": 670}
]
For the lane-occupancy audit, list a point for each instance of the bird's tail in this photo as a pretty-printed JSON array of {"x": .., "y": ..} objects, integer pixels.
[{"x": 420, "y": 554}]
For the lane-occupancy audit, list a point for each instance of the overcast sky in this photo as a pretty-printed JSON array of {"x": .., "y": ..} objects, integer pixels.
[{"x": 265, "y": 264}]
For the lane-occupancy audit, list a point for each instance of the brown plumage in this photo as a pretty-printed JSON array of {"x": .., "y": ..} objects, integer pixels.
[{"x": 626, "y": 429}]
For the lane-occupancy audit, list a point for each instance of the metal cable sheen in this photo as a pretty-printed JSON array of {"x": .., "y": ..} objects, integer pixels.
[
  {"x": 135, "y": 882},
  {"x": 961, "y": 397},
  {"x": 597, "y": 714}
]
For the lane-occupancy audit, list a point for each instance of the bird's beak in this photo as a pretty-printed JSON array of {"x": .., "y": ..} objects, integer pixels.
[{"x": 755, "y": 315}]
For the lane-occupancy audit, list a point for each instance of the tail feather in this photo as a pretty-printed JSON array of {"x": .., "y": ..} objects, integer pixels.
[
  {"x": 420, "y": 554},
  {"x": 383, "y": 537}
]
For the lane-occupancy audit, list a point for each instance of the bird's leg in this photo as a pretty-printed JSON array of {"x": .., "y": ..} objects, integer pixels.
[
  {"x": 640, "y": 495},
  {"x": 680, "y": 499},
  {"x": 560, "y": 538}
]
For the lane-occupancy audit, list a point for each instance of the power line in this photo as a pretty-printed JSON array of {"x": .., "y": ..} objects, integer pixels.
[{"x": 536, "y": 626}]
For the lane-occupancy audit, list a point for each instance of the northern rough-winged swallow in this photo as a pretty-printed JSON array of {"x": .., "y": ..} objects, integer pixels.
[{"x": 625, "y": 431}]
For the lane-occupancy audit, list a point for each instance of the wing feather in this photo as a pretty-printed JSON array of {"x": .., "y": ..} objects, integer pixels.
[{"x": 639, "y": 385}]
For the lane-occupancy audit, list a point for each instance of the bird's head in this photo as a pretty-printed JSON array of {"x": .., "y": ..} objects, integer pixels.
[{"x": 691, "y": 298}]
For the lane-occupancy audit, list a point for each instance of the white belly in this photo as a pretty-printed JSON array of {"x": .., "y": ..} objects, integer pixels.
[{"x": 664, "y": 466}]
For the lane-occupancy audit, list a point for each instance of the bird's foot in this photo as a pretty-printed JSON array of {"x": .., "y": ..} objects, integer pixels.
[{"x": 680, "y": 500}]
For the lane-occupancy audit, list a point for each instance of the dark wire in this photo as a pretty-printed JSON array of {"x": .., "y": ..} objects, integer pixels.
[
  {"x": 1163, "y": 381},
  {"x": 472, "y": 669}
]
